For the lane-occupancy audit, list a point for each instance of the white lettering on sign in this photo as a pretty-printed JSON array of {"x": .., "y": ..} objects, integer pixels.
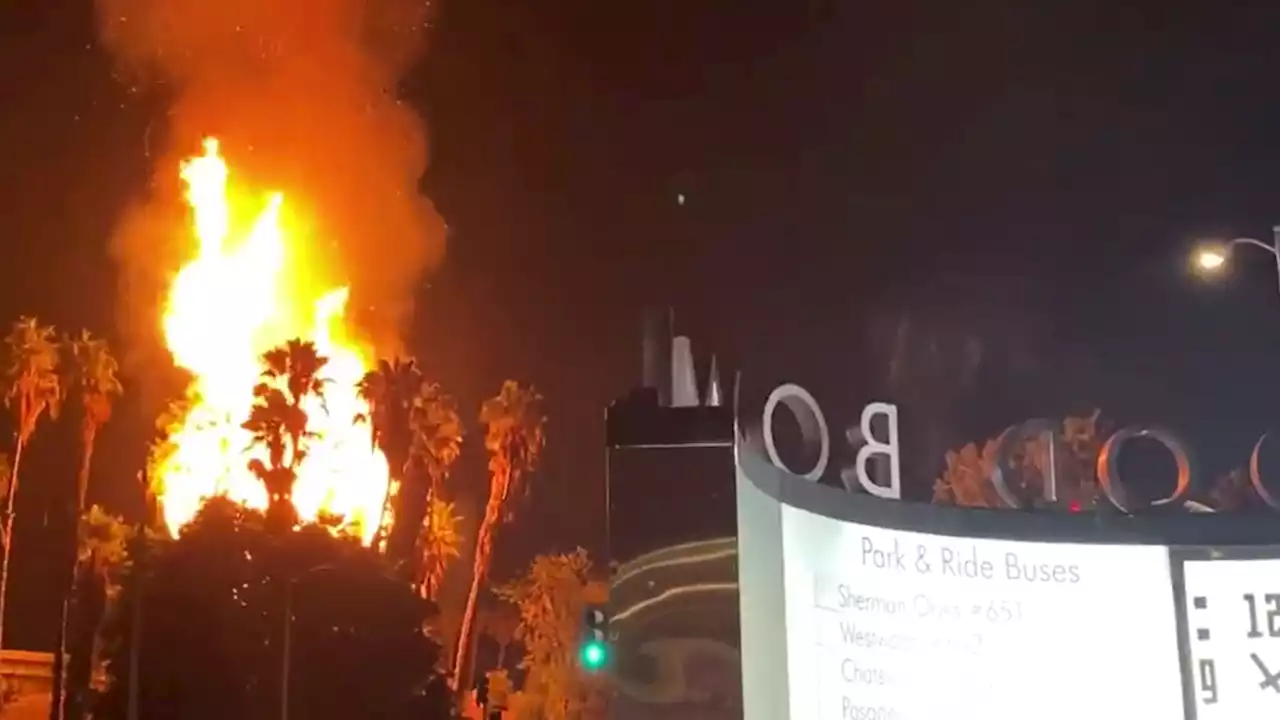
[
  {"x": 889, "y": 447},
  {"x": 871, "y": 440},
  {"x": 814, "y": 431},
  {"x": 813, "y": 427}
]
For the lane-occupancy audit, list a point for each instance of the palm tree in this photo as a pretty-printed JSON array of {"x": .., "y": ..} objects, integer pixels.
[
  {"x": 437, "y": 433},
  {"x": 32, "y": 388},
  {"x": 102, "y": 557},
  {"x": 515, "y": 436},
  {"x": 389, "y": 390},
  {"x": 441, "y": 544},
  {"x": 94, "y": 379},
  {"x": 291, "y": 377},
  {"x": 437, "y": 443}
]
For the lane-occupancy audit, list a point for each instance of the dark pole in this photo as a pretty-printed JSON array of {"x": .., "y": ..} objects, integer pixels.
[
  {"x": 286, "y": 650},
  {"x": 68, "y": 536},
  {"x": 1275, "y": 245},
  {"x": 58, "y": 706},
  {"x": 135, "y": 627},
  {"x": 286, "y": 636},
  {"x": 139, "y": 592}
]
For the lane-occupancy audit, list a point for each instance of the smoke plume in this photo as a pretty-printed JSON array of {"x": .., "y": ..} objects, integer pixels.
[{"x": 302, "y": 95}]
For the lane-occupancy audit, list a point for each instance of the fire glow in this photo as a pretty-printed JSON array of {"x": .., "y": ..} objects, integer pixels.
[{"x": 244, "y": 293}]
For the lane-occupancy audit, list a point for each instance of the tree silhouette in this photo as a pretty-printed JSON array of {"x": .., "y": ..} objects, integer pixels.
[
  {"x": 95, "y": 384},
  {"x": 390, "y": 390},
  {"x": 437, "y": 444},
  {"x": 292, "y": 381},
  {"x": 515, "y": 434},
  {"x": 417, "y": 427},
  {"x": 437, "y": 433},
  {"x": 439, "y": 545},
  {"x": 32, "y": 388},
  {"x": 102, "y": 560},
  {"x": 210, "y": 639}
]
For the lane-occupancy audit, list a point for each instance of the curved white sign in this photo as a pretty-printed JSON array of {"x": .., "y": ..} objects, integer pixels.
[
  {"x": 892, "y": 624},
  {"x": 870, "y": 443}
]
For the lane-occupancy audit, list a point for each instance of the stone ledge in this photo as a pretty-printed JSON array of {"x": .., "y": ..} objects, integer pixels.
[{"x": 32, "y": 672}]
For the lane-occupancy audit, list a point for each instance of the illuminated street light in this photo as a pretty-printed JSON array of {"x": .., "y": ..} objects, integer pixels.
[{"x": 1212, "y": 257}]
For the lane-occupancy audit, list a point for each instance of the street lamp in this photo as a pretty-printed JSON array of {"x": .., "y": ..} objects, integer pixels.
[
  {"x": 1212, "y": 257},
  {"x": 286, "y": 645}
]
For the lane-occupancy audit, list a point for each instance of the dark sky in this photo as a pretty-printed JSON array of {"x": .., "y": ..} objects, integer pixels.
[{"x": 1027, "y": 174}]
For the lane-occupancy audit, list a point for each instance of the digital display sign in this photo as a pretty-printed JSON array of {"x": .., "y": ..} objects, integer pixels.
[{"x": 1230, "y": 613}]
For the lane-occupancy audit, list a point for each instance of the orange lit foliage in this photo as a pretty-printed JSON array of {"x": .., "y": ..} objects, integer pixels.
[
  {"x": 551, "y": 598},
  {"x": 966, "y": 480}
]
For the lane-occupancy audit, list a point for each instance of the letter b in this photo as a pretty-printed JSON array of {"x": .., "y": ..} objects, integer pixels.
[{"x": 888, "y": 446}]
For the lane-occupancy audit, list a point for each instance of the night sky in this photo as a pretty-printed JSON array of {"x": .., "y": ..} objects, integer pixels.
[{"x": 1029, "y": 176}]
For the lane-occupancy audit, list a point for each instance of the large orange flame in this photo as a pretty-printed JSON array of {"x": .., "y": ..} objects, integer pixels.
[{"x": 244, "y": 293}]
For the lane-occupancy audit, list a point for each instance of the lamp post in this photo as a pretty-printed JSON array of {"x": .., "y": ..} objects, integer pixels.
[
  {"x": 286, "y": 634},
  {"x": 135, "y": 626},
  {"x": 286, "y": 642},
  {"x": 141, "y": 552},
  {"x": 1212, "y": 257}
]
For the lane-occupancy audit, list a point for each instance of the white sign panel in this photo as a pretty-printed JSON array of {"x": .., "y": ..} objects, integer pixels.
[
  {"x": 891, "y": 625},
  {"x": 1233, "y": 637}
]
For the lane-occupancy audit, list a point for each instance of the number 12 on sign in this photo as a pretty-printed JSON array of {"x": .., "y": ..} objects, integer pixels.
[
  {"x": 1231, "y": 637},
  {"x": 1257, "y": 611}
]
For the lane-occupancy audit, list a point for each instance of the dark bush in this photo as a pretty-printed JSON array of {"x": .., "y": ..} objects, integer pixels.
[{"x": 212, "y": 630}]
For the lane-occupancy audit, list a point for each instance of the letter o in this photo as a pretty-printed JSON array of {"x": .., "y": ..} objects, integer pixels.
[
  {"x": 809, "y": 416},
  {"x": 1109, "y": 459},
  {"x": 1009, "y": 441},
  {"x": 1255, "y": 475}
]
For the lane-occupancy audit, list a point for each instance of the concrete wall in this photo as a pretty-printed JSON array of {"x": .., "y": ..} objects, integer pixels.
[{"x": 32, "y": 673}]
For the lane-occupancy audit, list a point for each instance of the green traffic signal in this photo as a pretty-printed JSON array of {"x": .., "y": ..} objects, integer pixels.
[{"x": 594, "y": 655}]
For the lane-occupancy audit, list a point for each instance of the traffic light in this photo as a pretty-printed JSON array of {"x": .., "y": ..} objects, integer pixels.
[{"x": 594, "y": 651}]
